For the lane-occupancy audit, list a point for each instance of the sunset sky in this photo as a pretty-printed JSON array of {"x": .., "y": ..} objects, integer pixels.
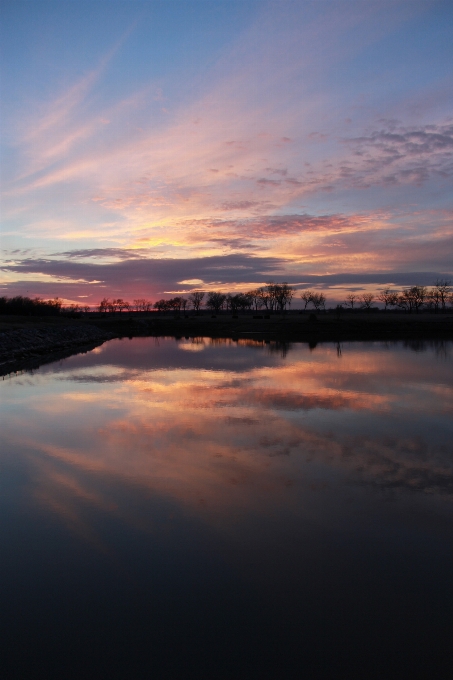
[{"x": 152, "y": 148}]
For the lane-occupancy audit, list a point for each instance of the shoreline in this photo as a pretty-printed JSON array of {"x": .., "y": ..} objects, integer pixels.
[{"x": 29, "y": 342}]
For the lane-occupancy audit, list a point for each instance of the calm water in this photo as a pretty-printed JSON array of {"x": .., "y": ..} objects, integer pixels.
[{"x": 206, "y": 509}]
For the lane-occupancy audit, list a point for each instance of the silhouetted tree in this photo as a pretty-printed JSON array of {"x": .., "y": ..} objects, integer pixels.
[
  {"x": 443, "y": 290},
  {"x": 30, "y": 306},
  {"x": 256, "y": 297},
  {"x": 161, "y": 305},
  {"x": 121, "y": 304},
  {"x": 104, "y": 306},
  {"x": 175, "y": 304},
  {"x": 350, "y": 300},
  {"x": 196, "y": 298},
  {"x": 433, "y": 299},
  {"x": 412, "y": 298},
  {"x": 367, "y": 300},
  {"x": 141, "y": 305},
  {"x": 319, "y": 301},
  {"x": 233, "y": 302},
  {"x": 264, "y": 297},
  {"x": 307, "y": 297},
  {"x": 283, "y": 294},
  {"x": 388, "y": 297},
  {"x": 215, "y": 301}
]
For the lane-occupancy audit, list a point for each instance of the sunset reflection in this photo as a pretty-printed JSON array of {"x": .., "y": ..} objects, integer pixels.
[{"x": 248, "y": 428}]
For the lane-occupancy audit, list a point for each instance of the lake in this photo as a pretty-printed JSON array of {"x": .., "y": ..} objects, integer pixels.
[{"x": 196, "y": 508}]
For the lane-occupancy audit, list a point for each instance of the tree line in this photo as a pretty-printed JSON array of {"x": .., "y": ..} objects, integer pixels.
[
  {"x": 277, "y": 297},
  {"x": 411, "y": 299},
  {"x": 273, "y": 297},
  {"x": 25, "y": 306}
]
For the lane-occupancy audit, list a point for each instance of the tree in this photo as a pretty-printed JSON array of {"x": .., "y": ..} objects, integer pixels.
[
  {"x": 196, "y": 298},
  {"x": 215, "y": 301},
  {"x": 319, "y": 301},
  {"x": 413, "y": 298},
  {"x": 434, "y": 299},
  {"x": 175, "y": 304},
  {"x": 140, "y": 305},
  {"x": 283, "y": 294},
  {"x": 161, "y": 305},
  {"x": 56, "y": 304},
  {"x": 264, "y": 297},
  {"x": 256, "y": 297},
  {"x": 307, "y": 297},
  {"x": 388, "y": 297},
  {"x": 121, "y": 304},
  {"x": 350, "y": 300},
  {"x": 272, "y": 295},
  {"x": 443, "y": 290},
  {"x": 233, "y": 302},
  {"x": 104, "y": 306},
  {"x": 367, "y": 300}
]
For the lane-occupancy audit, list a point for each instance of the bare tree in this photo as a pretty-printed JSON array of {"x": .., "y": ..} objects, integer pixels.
[
  {"x": 215, "y": 301},
  {"x": 233, "y": 302},
  {"x": 413, "y": 298},
  {"x": 272, "y": 294},
  {"x": 121, "y": 304},
  {"x": 350, "y": 300},
  {"x": 443, "y": 290},
  {"x": 388, "y": 297},
  {"x": 283, "y": 294},
  {"x": 196, "y": 298},
  {"x": 140, "y": 305},
  {"x": 367, "y": 300},
  {"x": 256, "y": 297},
  {"x": 307, "y": 297},
  {"x": 319, "y": 301},
  {"x": 264, "y": 296},
  {"x": 433, "y": 299},
  {"x": 175, "y": 304},
  {"x": 104, "y": 306},
  {"x": 161, "y": 305}
]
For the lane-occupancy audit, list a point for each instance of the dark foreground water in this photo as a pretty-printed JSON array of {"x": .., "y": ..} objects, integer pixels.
[{"x": 220, "y": 510}]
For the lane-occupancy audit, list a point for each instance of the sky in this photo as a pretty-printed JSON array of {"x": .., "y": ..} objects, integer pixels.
[{"x": 152, "y": 148}]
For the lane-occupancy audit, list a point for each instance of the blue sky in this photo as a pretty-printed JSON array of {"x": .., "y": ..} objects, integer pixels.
[{"x": 152, "y": 147}]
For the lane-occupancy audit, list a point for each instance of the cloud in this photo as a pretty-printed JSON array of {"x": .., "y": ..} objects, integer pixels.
[
  {"x": 272, "y": 152},
  {"x": 146, "y": 276},
  {"x": 101, "y": 253},
  {"x": 396, "y": 154}
]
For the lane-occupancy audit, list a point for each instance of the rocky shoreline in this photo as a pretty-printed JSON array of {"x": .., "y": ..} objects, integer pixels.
[{"x": 30, "y": 347}]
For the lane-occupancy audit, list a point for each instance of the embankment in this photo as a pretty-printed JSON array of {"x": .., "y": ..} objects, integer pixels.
[{"x": 29, "y": 346}]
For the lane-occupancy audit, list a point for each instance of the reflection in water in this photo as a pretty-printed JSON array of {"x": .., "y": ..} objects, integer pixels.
[{"x": 230, "y": 509}]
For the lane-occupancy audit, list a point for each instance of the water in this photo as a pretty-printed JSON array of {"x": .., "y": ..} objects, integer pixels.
[{"x": 213, "y": 509}]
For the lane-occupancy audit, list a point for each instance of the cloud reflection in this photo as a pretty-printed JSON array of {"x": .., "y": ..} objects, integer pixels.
[{"x": 219, "y": 441}]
